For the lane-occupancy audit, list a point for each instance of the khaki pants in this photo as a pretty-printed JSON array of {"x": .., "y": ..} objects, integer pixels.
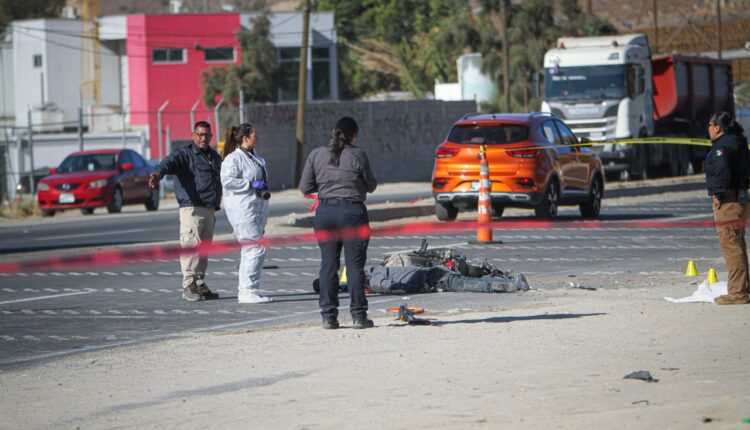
[
  {"x": 196, "y": 226},
  {"x": 733, "y": 245}
]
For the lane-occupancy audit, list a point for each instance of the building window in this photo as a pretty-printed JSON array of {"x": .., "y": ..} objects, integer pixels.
[
  {"x": 37, "y": 60},
  {"x": 288, "y": 73},
  {"x": 321, "y": 74},
  {"x": 168, "y": 55},
  {"x": 222, "y": 55}
]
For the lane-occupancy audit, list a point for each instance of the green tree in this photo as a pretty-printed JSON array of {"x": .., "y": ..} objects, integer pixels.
[
  {"x": 255, "y": 75},
  {"x": 391, "y": 45},
  {"x": 534, "y": 29},
  {"x": 11, "y": 10}
]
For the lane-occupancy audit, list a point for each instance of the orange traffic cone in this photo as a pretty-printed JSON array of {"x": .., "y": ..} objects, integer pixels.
[{"x": 484, "y": 206}]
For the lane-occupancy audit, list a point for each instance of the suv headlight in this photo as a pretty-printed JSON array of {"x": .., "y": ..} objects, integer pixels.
[
  {"x": 42, "y": 187},
  {"x": 98, "y": 184}
]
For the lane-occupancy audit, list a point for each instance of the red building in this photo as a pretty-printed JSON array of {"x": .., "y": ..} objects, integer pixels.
[{"x": 167, "y": 54}]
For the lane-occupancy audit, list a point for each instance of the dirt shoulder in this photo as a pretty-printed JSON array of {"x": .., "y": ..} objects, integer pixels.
[{"x": 557, "y": 362}]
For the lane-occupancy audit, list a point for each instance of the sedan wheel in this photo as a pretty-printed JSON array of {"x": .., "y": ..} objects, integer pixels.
[
  {"x": 116, "y": 205},
  {"x": 548, "y": 207},
  {"x": 592, "y": 207},
  {"x": 152, "y": 203}
]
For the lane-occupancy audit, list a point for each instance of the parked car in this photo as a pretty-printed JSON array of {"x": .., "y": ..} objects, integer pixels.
[
  {"x": 533, "y": 164},
  {"x": 107, "y": 178}
]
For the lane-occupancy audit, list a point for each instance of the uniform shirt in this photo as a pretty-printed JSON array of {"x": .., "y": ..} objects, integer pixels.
[
  {"x": 351, "y": 180},
  {"x": 198, "y": 176},
  {"x": 727, "y": 165}
]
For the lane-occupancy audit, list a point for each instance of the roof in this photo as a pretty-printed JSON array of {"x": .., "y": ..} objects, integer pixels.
[
  {"x": 97, "y": 151},
  {"x": 503, "y": 117}
]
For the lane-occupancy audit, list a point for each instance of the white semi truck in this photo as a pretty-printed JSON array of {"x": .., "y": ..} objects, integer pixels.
[{"x": 611, "y": 87}]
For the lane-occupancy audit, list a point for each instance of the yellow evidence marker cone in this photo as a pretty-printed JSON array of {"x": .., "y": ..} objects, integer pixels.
[
  {"x": 691, "y": 269},
  {"x": 343, "y": 276},
  {"x": 711, "y": 278}
]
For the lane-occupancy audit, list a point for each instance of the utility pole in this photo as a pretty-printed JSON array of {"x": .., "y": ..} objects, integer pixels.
[
  {"x": 718, "y": 29},
  {"x": 301, "y": 95},
  {"x": 655, "y": 11},
  {"x": 192, "y": 114},
  {"x": 31, "y": 155},
  {"x": 505, "y": 12}
]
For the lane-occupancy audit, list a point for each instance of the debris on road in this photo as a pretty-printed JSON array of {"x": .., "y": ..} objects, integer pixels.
[
  {"x": 643, "y": 375},
  {"x": 581, "y": 287}
]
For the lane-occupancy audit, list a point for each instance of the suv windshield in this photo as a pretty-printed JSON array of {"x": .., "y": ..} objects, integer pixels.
[
  {"x": 87, "y": 163},
  {"x": 488, "y": 134}
]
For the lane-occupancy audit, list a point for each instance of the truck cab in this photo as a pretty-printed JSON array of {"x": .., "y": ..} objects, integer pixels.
[{"x": 602, "y": 88}]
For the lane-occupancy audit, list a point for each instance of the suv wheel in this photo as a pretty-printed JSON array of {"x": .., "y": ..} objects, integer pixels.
[
  {"x": 445, "y": 212},
  {"x": 548, "y": 207},
  {"x": 497, "y": 210},
  {"x": 116, "y": 205},
  {"x": 592, "y": 207}
]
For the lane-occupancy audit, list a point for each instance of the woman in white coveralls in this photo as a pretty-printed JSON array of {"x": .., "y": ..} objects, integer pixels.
[{"x": 245, "y": 182}]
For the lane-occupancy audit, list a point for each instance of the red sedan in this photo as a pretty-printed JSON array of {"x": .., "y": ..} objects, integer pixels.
[{"x": 107, "y": 178}]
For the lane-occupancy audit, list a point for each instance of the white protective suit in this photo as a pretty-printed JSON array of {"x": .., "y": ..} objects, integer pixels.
[{"x": 246, "y": 212}]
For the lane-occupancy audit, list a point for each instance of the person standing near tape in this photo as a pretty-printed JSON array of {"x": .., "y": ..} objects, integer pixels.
[
  {"x": 727, "y": 179},
  {"x": 198, "y": 191},
  {"x": 245, "y": 181},
  {"x": 341, "y": 175}
]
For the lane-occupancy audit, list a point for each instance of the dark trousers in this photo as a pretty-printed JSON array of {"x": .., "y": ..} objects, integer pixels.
[{"x": 332, "y": 217}]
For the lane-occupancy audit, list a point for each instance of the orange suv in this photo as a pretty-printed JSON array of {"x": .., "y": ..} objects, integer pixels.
[{"x": 534, "y": 163}]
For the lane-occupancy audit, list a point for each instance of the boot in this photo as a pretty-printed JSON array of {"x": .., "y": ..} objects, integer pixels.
[
  {"x": 361, "y": 322},
  {"x": 731, "y": 300},
  {"x": 330, "y": 323}
]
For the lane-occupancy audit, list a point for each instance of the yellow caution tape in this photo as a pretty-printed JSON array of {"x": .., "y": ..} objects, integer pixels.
[{"x": 651, "y": 140}]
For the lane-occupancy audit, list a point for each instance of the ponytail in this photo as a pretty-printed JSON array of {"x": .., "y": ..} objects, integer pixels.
[
  {"x": 234, "y": 138},
  {"x": 343, "y": 134},
  {"x": 230, "y": 144}
]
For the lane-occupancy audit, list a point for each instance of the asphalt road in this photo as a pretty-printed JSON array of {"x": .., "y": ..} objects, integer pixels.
[
  {"x": 49, "y": 314},
  {"x": 103, "y": 229}
]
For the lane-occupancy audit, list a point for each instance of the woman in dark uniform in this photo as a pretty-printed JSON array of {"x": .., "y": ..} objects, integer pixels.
[
  {"x": 727, "y": 170},
  {"x": 340, "y": 173}
]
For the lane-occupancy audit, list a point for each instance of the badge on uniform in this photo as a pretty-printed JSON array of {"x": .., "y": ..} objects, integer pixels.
[{"x": 719, "y": 152}]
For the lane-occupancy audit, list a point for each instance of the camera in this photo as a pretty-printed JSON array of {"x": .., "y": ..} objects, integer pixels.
[{"x": 263, "y": 194}]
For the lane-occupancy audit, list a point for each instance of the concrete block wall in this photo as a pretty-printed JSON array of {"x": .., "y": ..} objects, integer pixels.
[{"x": 399, "y": 137}]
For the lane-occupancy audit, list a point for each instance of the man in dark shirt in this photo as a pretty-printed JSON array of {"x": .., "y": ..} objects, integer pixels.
[{"x": 198, "y": 191}]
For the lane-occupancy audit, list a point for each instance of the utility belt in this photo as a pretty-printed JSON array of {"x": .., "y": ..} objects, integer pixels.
[{"x": 340, "y": 202}]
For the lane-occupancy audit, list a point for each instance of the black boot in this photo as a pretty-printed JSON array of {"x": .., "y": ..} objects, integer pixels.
[
  {"x": 330, "y": 323},
  {"x": 361, "y": 321}
]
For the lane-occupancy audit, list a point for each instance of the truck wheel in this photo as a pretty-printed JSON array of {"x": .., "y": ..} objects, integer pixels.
[
  {"x": 679, "y": 161},
  {"x": 591, "y": 208},
  {"x": 548, "y": 207},
  {"x": 639, "y": 164},
  {"x": 445, "y": 212}
]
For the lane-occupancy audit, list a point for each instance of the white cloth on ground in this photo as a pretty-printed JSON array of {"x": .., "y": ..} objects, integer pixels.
[{"x": 705, "y": 293}]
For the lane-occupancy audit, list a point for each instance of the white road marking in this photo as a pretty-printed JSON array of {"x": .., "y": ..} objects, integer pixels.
[
  {"x": 101, "y": 233},
  {"x": 30, "y": 299}
]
